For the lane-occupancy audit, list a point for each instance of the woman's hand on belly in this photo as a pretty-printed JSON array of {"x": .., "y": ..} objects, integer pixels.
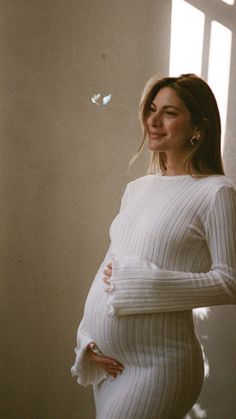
[
  {"x": 108, "y": 272},
  {"x": 111, "y": 366}
]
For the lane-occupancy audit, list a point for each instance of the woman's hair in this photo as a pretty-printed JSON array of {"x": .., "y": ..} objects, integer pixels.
[{"x": 204, "y": 157}]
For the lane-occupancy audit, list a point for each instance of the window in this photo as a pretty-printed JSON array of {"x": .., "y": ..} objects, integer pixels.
[
  {"x": 219, "y": 67},
  {"x": 186, "y": 38},
  {"x": 230, "y": 2},
  {"x": 193, "y": 42}
]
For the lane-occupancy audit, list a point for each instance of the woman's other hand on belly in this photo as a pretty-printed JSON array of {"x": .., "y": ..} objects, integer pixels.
[{"x": 110, "y": 365}]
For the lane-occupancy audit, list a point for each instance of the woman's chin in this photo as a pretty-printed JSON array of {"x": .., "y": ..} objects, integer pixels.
[{"x": 155, "y": 147}]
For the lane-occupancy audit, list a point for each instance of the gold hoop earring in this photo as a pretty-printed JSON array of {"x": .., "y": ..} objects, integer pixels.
[{"x": 195, "y": 140}]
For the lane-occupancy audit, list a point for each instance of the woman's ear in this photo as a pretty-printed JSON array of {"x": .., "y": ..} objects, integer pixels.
[
  {"x": 197, "y": 132},
  {"x": 196, "y": 137}
]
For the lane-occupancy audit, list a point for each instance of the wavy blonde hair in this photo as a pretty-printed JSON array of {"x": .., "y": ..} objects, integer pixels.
[{"x": 205, "y": 157}]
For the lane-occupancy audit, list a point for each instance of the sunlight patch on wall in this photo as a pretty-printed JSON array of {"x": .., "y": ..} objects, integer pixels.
[
  {"x": 198, "y": 412},
  {"x": 219, "y": 68},
  {"x": 201, "y": 313},
  {"x": 187, "y": 30},
  {"x": 230, "y": 2}
]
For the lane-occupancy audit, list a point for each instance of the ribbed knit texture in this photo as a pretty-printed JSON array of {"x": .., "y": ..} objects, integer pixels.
[{"x": 173, "y": 248}]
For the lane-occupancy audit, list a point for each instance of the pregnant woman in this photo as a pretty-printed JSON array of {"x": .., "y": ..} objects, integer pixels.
[{"x": 173, "y": 249}]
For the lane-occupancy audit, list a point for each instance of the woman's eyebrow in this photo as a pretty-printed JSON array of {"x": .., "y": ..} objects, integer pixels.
[
  {"x": 166, "y": 106},
  {"x": 171, "y": 106}
]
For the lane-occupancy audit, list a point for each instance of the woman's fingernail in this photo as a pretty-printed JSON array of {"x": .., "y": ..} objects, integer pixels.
[{"x": 114, "y": 363}]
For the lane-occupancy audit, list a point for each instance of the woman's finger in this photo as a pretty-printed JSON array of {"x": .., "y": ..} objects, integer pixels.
[
  {"x": 114, "y": 371},
  {"x": 104, "y": 361},
  {"x": 91, "y": 345},
  {"x": 107, "y": 272},
  {"x": 106, "y": 280},
  {"x": 109, "y": 365}
]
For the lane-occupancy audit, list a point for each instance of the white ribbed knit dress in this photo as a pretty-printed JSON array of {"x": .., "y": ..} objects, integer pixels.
[{"x": 173, "y": 248}]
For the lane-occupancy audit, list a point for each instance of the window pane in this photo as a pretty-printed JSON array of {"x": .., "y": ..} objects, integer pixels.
[
  {"x": 187, "y": 29},
  {"x": 219, "y": 67},
  {"x": 231, "y": 2}
]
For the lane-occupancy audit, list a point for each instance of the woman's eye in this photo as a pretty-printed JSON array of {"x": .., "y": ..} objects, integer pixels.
[{"x": 170, "y": 113}]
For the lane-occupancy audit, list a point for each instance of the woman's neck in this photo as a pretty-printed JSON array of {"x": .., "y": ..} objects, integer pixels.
[
  {"x": 173, "y": 171},
  {"x": 175, "y": 168},
  {"x": 175, "y": 165}
]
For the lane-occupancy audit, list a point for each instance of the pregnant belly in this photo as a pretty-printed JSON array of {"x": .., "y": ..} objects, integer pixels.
[{"x": 133, "y": 338}]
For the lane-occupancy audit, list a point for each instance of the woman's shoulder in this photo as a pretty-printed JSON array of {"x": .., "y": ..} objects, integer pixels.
[
  {"x": 217, "y": 182},
  {"x": 143, "y": 180},
  {"x": 217, "y": 189},
  {"x": 202, "y": 186}
]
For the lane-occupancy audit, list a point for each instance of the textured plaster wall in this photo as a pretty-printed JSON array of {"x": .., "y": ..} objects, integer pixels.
[{"x": 63, "y": 164}]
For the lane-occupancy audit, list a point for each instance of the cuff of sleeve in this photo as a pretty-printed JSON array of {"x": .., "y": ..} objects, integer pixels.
[
  {"x": 87, "y": 372},
  {"x": 133, "y": 283}
]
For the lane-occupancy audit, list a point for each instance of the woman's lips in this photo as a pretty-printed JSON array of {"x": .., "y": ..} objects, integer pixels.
[{"x": 156, "y": 135}]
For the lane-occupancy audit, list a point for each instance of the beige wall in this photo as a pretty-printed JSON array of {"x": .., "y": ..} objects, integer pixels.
[{"x": 63, "y": 170}]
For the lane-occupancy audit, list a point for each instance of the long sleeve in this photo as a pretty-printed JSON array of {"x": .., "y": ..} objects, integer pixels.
[
  {"x": 88, "y": 372},
  {"x": 140, "y": 286}
]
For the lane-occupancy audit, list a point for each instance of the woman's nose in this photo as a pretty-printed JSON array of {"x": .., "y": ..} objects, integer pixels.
[{"x": 154, "y": 119}]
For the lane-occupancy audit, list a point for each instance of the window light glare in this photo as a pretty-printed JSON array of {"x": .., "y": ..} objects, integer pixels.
[
  {"x": 230, "y": 2},
  {"x": 219, "y": 68},
  {"x": 187, "y": 30}
]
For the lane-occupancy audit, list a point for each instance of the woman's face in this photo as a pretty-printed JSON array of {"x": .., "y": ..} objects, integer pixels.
[{"x": 169, "y": 123}]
